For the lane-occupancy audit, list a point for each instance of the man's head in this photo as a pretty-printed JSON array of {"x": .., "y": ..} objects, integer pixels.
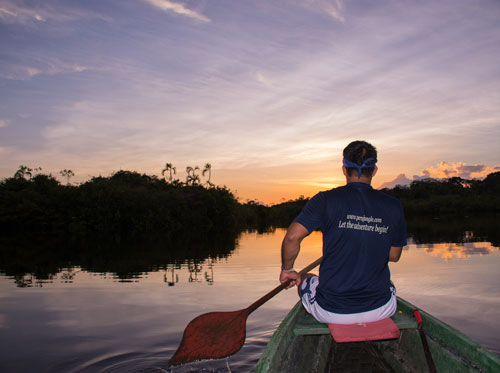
[{"x": 360, "y": 158}]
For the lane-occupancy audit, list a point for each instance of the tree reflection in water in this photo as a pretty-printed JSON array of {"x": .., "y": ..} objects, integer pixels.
[
  {"x": 173, "y": 280},
  {"x": 194, "y": 268},
  {"x": 33, "y": 262},
  {"x": 209, "y": 277}
]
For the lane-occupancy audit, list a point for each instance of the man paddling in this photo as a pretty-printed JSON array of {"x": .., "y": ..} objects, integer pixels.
[{"x": 363, "y": 229}]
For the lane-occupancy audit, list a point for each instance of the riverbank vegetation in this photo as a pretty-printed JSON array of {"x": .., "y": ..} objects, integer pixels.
[
  {"x": 454, "y": 195},
  {"x": 129, "y": 223},
  {"x": 132, "y": 205},
  {"x": 125, "y": 204},
  {"x": 427, "y": 197}
]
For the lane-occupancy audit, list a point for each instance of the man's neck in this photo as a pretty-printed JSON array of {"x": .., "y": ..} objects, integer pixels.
[{"x": 362, "y": 179}]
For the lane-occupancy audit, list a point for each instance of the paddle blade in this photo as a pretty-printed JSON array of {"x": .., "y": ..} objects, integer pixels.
[{"x": 213, "y": 335}]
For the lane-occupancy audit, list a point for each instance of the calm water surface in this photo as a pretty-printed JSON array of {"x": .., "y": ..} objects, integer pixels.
[{"x": 80, "y": 321}]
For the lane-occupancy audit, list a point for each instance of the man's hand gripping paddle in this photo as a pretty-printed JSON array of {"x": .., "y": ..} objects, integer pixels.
[{"x": 216, "y": 335}]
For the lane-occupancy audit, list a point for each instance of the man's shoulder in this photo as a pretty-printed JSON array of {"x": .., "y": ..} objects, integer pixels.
[
  {"x": 335, "y": 191},
  {"x": 382, "y": 195},
  {"x": 344, "y": 191}
]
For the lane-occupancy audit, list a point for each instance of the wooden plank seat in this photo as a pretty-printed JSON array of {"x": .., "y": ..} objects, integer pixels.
[{"x": 307, "y": 325}]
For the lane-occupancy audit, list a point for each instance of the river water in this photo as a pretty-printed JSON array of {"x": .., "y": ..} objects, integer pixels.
[{"x": 79, "y": 319}]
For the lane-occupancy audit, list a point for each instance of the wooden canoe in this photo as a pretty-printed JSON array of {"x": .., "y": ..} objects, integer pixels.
[{"x": 301, "y": 344}]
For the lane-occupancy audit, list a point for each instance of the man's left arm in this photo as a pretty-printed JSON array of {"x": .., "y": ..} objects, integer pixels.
[{"x": 400, "y": 240}]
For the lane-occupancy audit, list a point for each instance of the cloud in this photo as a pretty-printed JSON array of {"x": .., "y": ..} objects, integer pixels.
[
  {"x": 261, "y": 78},
  {"x": 457, "y": 169},
  {"x": 4, "y": 123},
  {"x": 444, "y": 170},
  {"x": 13, "y": 13},
  {"x": 27, "y": 66},
  {"x": 401, "y": 179},
  {"x": 178, "y": 8},
  {"x": 334, "y": 9}
]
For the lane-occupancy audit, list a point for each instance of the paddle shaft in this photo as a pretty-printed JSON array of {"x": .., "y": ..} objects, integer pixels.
[
  {"x": 427, "y": 351},
  {"x": 272, "y": 293}
]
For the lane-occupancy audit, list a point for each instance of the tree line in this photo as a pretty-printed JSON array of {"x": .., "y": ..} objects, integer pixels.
[
  {"x": 129, "y": 204},
  {"x": 125, "y": 204},
  {"x": 454, "y": 195},
  {"x": 427, "y": 197}
]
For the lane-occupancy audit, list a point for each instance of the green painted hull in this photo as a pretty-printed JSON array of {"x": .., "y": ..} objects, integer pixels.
[{"x": 300, "y": 344}]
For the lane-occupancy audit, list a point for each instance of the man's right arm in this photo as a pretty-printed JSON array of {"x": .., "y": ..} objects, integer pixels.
[
  {"x": 395, "y": 253},
  {"x": 308, "y": 220},
  {"x": 291, "y": 244},
  {"x": 289, "y": 250}
]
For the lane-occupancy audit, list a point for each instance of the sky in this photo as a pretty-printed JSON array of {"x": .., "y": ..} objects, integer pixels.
[{"x": 268, "y": 92}]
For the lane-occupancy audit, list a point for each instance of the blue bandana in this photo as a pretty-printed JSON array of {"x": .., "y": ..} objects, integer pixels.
[{"x": 350, "y": 164}]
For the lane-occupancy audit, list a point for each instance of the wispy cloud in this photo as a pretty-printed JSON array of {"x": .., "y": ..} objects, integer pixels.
[
  {"x": 4, "y": 123},
  {"x": 26, "y": 66},
  {"x": 12, "y": 12},
  {"x": 335, "y": 10},
  {"x": 178, "y": 8},
  {"x": 332, "y": 8},
  {"x": 261, "y": 78},
  {"x": 17, "y": 12},
  {"x": 273, "y": 89}
]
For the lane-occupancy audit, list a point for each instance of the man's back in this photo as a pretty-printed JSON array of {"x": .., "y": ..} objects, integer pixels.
[
  {"x": 363, "y": 229},
  {"x": 359, "y": 227}
]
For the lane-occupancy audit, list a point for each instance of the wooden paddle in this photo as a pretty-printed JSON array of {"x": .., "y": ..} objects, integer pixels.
[{"x": 216, "y": 335}]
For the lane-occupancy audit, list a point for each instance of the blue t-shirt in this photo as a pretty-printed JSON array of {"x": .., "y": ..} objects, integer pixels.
[{"x": 359, "y": 226}]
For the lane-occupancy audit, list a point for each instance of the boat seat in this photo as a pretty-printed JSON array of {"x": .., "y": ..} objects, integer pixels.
[
  {"x": 385, "y": 329},
  {"x": 371, "y": 331}
]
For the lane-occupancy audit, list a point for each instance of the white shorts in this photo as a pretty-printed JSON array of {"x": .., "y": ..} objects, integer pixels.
[{"x": 308, "y": 298}]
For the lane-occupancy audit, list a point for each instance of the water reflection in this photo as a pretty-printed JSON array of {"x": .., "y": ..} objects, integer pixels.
[
  {"x": 174, "y": 278},
  {"x": 457, "y": 229},
  {"x": 209, "y": 276},
  {"x": 27, "y": 281},
  {"x": 190, "y": 272},
  {"x": 36, "y": 262},
  {"x": 67, "y": 275},
  {"x": 92, "y": 320},
  {"x": 202, "y": 271},
  {"x": 450, "y": 251}
]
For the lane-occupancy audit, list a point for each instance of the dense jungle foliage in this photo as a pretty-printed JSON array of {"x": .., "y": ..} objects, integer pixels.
[
  {"x": 126, "y": 204},
  {"x": 454, "y": 195},
  {"x": 428, "y": 197}
]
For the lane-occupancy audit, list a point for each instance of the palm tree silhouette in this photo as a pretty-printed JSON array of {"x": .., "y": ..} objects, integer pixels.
[
  {"x": 169, "y": 168},
  {"x": 208, "y": 168},
  {"x": 24, "y": 172},
  {"x": 192, "y": 178},
  {"x": 67, "y": 174}
]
